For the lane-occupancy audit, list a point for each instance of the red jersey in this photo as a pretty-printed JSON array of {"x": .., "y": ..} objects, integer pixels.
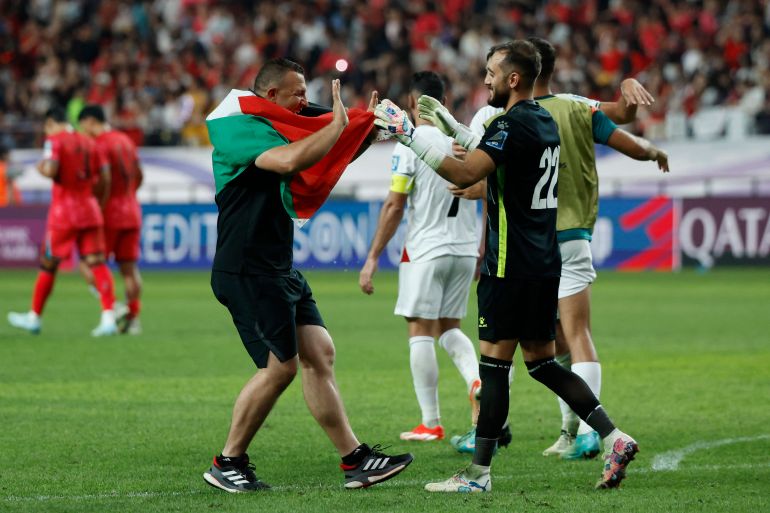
[
  {"x": 122, "y": 209},
  {"x": 73, "y": 205}
]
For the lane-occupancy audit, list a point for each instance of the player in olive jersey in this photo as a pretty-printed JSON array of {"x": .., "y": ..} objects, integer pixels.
[
  {"x": 581, "y": 124},
  {"x": 75, "y": 165},
  {"x": 517, "y": 293},
  {"x": 122, "y": 213}
]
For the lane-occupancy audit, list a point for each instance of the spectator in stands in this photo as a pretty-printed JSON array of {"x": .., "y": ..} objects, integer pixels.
[{"x": 142, "y": 58}]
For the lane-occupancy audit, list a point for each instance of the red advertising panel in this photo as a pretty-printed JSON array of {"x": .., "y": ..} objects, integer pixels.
[{"x": 725, "y": 231}]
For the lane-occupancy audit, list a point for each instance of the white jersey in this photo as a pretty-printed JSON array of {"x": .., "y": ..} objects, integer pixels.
[
  {"x": 481, "y": 117},
  {"x": 438, "y": 223}
]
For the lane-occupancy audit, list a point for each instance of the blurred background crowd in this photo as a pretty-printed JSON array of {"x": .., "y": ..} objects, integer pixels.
[{"x": 159, "y": 66}]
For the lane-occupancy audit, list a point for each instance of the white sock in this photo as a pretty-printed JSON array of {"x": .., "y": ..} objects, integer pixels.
[
  {"x": 422, "y": 359},
  {"x": 569, "y": 420},
  {"x": 463, "y": 354},
  {"x": 591, "y": 373},
  {"x": 108, "y": 317}
]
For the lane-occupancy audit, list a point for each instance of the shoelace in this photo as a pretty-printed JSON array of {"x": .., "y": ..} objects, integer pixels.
[
  {"x": 248, "y": 471},
  {"x": 377, "y": 450}
]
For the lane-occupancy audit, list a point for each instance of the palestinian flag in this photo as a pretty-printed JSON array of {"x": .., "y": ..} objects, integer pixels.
[{"x": 244, "y": 126}]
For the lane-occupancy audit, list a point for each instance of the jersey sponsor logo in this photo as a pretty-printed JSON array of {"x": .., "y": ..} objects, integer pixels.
[
  {"x": 483, "y": 322},
  {"x": 498, "y": 140},
  {"x": 394, "y": 162}
]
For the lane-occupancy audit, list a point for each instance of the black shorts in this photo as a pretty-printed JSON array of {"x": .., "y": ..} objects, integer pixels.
[
  {"x": 517, "y": 308},
  {"x": 266, "y": 311}
]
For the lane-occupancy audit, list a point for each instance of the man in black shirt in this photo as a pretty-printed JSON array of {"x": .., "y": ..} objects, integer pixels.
[
  {"x": 271, "y": 303},
  {"x": 517, "y": 292}
]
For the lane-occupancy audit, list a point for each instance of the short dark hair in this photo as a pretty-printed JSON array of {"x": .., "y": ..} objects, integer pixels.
[
  {"x": 57, "y": 114},
  {"x": 430, "y": 83},
  {"x": 273, "y": 71},
  {"x": 520, "y": 56},
  {"x": 93, "y": 111},
  {"x": 547, "y": 56}
]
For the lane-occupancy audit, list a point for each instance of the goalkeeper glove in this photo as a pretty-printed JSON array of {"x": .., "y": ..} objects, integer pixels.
[
  {"x": 395, "y": 121},
  {"x": 432, "y": 110}
]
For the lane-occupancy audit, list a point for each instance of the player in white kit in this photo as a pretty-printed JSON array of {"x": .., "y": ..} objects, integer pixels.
[{"x": 438, "y": 263}]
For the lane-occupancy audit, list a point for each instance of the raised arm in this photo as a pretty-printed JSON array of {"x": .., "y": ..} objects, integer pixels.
[
  {"x": 638, "y": 148},
  {"x": 300, "y": 155},
  {"x": 390, "y": 217},
  {"x": 632, "y": 94}
]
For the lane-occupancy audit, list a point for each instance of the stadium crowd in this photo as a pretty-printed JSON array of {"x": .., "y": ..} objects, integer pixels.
[{"x": 158, "y": 66}]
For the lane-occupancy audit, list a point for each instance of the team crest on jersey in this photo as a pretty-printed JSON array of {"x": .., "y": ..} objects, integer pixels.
[
  {"x": 498, "y": 140},
  {"x": 394, "y": 162}
]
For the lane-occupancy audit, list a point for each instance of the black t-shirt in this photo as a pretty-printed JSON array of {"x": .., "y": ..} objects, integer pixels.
[
  {"x": 521, "y": 195},
  {"x": 255, "y": 235}
]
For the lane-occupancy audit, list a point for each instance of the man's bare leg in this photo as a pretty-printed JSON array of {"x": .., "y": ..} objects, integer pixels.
[
  {"x": 255, "y": 401},
  {"x": 319, "y": 386}
]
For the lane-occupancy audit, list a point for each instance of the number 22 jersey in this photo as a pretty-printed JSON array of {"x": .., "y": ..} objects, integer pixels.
[{"x": 522, "y": 194}]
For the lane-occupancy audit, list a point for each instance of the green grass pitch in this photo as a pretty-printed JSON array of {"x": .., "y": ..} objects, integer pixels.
[{"x": 129, "y": 424}]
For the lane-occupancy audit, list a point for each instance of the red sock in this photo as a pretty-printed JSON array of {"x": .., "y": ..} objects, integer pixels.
[
  {"x": 103, "y": 280},
  {"x": 43, "y": 288},
  {"x": 134, "y": 306}
]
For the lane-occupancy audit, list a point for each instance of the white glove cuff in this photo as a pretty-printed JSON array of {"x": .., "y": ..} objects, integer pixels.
[
  {"x": 466, "y": 138},
  {"x": 425, "y": 152}
]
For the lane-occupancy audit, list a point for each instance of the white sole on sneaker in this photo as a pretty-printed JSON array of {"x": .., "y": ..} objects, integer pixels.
[
  {"x": 374, "y": 479},
  {"x": 216, "y": 484}
]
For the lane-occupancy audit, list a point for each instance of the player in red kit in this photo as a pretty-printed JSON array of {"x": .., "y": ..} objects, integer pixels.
[
  {"x": 122, "y": 214},
  {"x": 74, "y": 163}
]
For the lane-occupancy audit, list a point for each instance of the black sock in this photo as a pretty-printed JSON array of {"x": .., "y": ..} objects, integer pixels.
[
  {"x": 357, "y": 456},
  {"x": 494, "y": 406},
  {"x": 232, "y": 461},
  {"x": 570, "y": 387}
]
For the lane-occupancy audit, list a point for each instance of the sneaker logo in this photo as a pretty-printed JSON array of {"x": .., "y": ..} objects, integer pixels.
[
  {"x": 377, "y": 464},
  {"x": 482, "y": 322},
  {"x": 235, "y": 477}
]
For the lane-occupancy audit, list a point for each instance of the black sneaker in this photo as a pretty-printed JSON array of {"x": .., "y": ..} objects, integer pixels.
[
  {"x": 237, "y": 477},
  {"x": 375, "y": 468}
]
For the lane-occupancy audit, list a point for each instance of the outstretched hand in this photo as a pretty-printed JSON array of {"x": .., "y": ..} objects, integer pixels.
[
  {"x": 432, "y": 110},
  {"x": 662, "y": 159},
  {"x": 339, "y": 112},
  {"x": 634, "y": 93}
]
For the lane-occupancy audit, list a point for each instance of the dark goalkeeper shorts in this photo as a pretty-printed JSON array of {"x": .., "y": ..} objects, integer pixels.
[
  {"x": 266, "y": 310},
  {"x": 517, "y": 308}
]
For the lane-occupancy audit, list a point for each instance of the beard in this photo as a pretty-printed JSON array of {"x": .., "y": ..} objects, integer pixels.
[{"x": 498, "y": 99}]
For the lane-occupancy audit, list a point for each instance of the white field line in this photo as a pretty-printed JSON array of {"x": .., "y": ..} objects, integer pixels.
[
  {"x": 670, "y": 460},
  {"x": 397, "y": 483}
]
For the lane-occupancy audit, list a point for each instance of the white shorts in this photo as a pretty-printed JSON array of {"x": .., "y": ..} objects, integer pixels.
[
  {"x": 577, "y": 268},
  {"x": 435, "y": 289}
]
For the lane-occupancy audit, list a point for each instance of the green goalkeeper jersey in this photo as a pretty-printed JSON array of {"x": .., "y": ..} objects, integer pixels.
[{"x": 581, "y": 124}]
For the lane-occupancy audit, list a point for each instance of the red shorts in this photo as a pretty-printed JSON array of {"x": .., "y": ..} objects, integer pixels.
[
  {"x": 59, "y": 242},
  {"x": 123, "y": 243}
]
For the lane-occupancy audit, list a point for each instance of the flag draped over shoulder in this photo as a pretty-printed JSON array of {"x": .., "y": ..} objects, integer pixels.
[{"x": 245, "y": 125}]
